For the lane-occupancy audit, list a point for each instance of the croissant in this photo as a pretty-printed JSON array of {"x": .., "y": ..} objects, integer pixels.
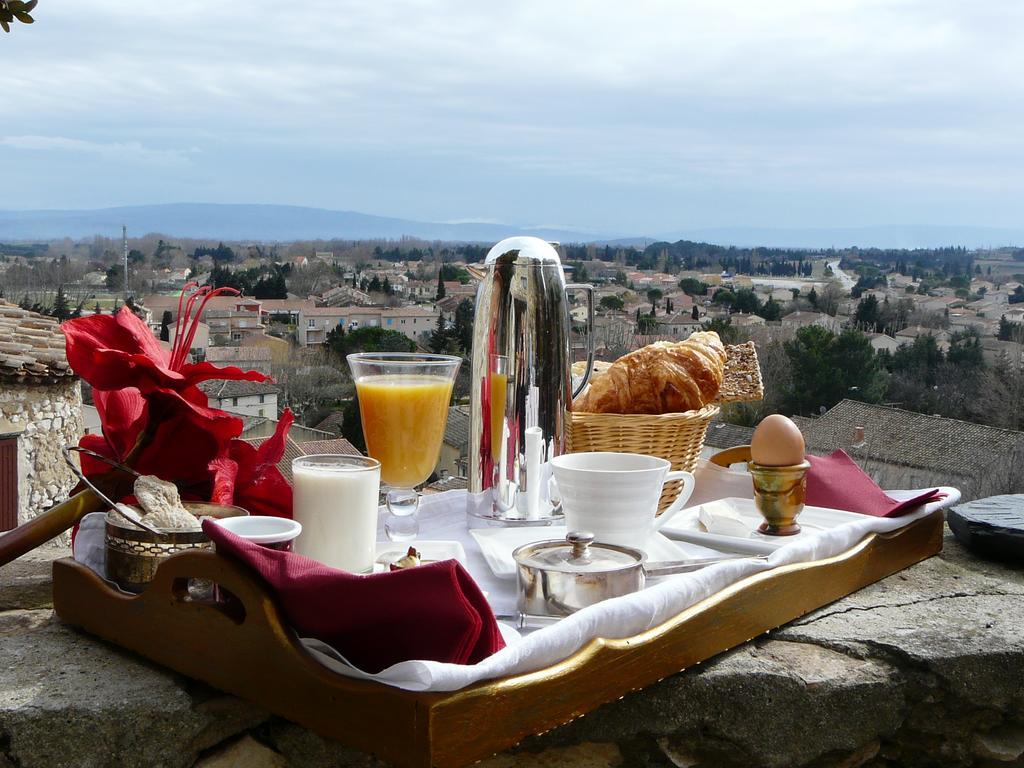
[{"x": 664, "y": 377}]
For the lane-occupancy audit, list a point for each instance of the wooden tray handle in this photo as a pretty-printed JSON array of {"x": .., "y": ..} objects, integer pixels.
[
  {"x": 247, "y": 600},
  {"x": 731, "y": 456}
]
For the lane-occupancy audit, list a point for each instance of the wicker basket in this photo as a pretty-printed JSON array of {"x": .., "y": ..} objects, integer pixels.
[{"x": 677, "y": 437}]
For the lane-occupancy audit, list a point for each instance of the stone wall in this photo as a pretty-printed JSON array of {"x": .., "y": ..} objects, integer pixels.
[
  {"x": 924, "y": 669},
  {"x": 51, "y": 417}
]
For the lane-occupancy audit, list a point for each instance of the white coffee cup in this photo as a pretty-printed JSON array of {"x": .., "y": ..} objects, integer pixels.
[{"x": 615, "y": 495}]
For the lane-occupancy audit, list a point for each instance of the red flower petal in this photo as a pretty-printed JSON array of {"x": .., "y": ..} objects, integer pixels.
[
  {"x": 186, "y": 437},
  {"x": 258, "y": 484},
  {"x": 111, "y": 352},
  {"x": 124, "y": 415}
]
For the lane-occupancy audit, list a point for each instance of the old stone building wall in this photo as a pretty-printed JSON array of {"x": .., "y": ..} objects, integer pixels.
[{"x": 50, "y": 416}]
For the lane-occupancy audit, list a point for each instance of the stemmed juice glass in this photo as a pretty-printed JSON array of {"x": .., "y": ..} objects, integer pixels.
[{"x": 403, "y": 405}]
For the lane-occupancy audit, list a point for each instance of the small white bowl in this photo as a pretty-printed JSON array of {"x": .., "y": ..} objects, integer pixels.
[{"x": 262, "y": 529}]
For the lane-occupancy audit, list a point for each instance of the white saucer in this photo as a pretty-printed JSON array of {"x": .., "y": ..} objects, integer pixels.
[
  {"x": 686, "y": 526},
  {"x": 389, "y": 551},
  {"x": 497, "y": 545}
]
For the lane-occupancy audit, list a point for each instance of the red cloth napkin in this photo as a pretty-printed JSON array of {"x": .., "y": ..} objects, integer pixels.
[
  {"x": 434, "y": 611},
  {"x": 835, "y": 481}
]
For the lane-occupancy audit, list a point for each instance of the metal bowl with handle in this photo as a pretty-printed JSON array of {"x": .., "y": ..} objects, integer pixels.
[{"x": 557, "y": 578}]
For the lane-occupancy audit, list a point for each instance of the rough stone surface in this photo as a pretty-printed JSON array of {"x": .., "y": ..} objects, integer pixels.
[
  {"x": 592, "y": 755},
  {"x": 246, "y": 752},
  {"x": 51, "y": 417},
  {"x": 68, "y": 700},
  {"x": 26, "y": 583},
  {"x": 304, "y": 748},
  {"x": 923, "y": 669}
]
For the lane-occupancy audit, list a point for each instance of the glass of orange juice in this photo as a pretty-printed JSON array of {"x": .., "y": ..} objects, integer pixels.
[{"x": 403, "y": 405}]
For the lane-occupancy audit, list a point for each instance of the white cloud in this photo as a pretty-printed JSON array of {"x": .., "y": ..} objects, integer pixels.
[
  {"x": 677, "y": 95},
  {"x": 131, "y": 151}
]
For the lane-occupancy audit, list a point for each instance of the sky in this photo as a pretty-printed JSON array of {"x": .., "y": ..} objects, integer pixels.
[{"x": 644, "y": 117}]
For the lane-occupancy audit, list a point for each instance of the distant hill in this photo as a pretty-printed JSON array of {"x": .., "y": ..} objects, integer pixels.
[
  {"x": 253, "y": 222},
  {"x": 288, "y": 222},
  {"x": 900, "y": 236}
]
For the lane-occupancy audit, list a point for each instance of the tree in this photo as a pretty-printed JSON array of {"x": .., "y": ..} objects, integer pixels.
[
  {"x": 746, "y": 301},
  {"x": 827, "y": 368},
  {"x": 695, "y": 314},
  {"x": 812, "y": 297},
  {"x": 272, "y": 287},
  {"x": 462, "y": 326},
  {"x": 965, "y": 350},
  {"x": 352, "y": 424},
  {"x": 387, "y": 288},
  {"x": 692, "y": 286},
  {"x": 440, "y": 338},
  {"x": 308, "y": 390},
  {"x": 724, "y": 328},
  {"x": 866, "y": 317},
  {"x": 440, "y": 287},
  {"x": 1010, "y": 331},
  {"x": 165, "y": 322},
  {"x": 654, "y": 295},
  {"x": 370, "y": 339},
  {"x": 828, "y": 301},
  {"x": 724, "y": 297},
  {"x": 611, "y": 303},
  {"x": 61, "y": 310},
  {"x": 771, "y": 310},
  {"x": 115, "y": 278},
  {"x": 375, "y": 285},
  {"x": 646, "y": 325}
]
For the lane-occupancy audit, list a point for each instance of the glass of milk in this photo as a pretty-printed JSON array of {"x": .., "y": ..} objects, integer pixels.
[{"x": 335, "y": 500}]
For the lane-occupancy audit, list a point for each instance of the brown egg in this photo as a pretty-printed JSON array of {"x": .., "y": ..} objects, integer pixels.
[{"x": 777, "y": 442}]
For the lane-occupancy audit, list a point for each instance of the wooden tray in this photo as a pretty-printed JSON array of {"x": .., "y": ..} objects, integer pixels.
[{"x": 251, "y": 653}]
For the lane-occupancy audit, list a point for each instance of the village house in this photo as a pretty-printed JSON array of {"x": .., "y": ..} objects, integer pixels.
[
  {"x": 40, "y": 413},
  {"x": 414, "y": 321},
  {"x": 454, "y": 455},
  {"x": 905, "y": 450},
  {"x": 883, "y": 342},
  {"x": 247, "y": 358},
  {"x": 745, "y": 321},
  {"x": 343, "y": 295},
  {"x": 234, "y": 324},
  {"x": 200, "y": 341},
  {"x": 679, "y": 325},
  {"x": 245, "y": 398},
  {"x": 796, "y": 320},
  {"x": 994, "y": 351}
]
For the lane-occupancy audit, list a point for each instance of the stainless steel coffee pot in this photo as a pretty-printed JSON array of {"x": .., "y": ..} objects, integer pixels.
[{"x": 521, "y": 386}]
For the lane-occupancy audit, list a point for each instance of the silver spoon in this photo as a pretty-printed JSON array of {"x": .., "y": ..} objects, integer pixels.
[{"x": 67, "y": 449}]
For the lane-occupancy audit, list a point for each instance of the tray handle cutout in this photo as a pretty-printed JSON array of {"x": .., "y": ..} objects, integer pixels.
[{"x": 237, "y": 594}]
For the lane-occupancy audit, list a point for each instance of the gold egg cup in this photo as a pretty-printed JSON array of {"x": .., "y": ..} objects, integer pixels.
[{"x": 779, "y": 494}]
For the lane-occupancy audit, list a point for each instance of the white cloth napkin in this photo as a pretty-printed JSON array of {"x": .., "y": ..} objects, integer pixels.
[{"x": 442, "y": 516}]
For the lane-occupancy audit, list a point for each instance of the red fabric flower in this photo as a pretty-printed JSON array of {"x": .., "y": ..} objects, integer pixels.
[
  {"x": 111, "y": 352},
  {"x": 155, "y": 417},
  {"x": 249, "y": 477}
]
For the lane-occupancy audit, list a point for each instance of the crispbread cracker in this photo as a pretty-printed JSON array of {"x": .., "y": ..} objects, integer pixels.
[{"x": 742, "y": 380}]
